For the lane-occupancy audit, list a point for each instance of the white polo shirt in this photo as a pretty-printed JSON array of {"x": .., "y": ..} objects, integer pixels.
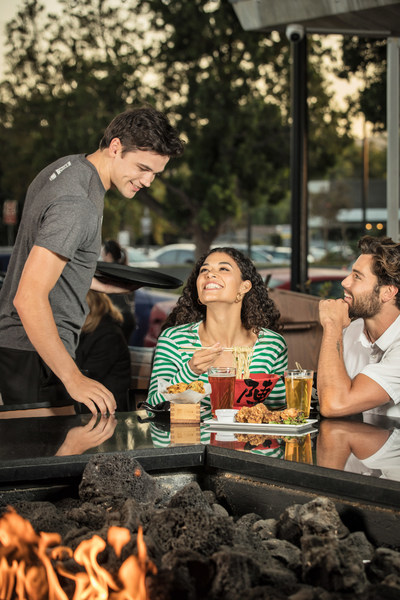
[{"x": 380, "y": 361}]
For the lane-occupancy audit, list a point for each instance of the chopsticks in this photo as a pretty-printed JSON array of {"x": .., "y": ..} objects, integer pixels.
[
  {"x": 250, "y": 349},
  {"x": 200, "y": 348}
]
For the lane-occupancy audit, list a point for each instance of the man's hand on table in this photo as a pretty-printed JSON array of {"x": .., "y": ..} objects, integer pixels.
[{"x": 91, "y": 393}]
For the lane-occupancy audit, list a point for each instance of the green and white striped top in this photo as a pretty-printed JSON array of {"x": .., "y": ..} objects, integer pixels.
[{"x": 172, "y": 363}]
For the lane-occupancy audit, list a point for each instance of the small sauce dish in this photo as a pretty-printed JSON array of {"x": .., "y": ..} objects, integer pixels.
[{"x": 226, "y": 415}]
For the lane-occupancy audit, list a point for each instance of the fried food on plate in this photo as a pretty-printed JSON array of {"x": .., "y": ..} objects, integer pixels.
[{"x": 259, "y": 413}]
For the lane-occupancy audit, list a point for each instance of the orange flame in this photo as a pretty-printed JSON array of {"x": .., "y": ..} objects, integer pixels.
[{"x": 27, "y": 572}]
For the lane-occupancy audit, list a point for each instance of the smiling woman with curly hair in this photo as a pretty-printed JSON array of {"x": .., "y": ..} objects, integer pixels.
[
  {"x": 225, "y": 304},
  {"x": 258, "y": 310}
]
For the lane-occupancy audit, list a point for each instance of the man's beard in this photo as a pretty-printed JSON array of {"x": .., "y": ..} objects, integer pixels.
[{"x": 366, "y": 307}]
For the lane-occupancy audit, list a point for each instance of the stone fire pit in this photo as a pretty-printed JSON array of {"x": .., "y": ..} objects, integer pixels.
[{"x": 203, "y": 550}]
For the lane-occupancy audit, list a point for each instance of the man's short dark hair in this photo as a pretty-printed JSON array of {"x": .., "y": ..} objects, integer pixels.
[
  {"x": 385, "y": 260},
  {"x": 143, "y": 128}
]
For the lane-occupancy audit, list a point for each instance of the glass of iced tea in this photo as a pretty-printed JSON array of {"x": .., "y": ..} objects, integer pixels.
[
  {"x": 222, "y": 380},
  {"x": 298, "y": 384}
]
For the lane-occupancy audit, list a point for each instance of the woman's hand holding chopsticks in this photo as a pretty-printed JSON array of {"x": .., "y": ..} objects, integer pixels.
[{"x": 204, "y": 358}]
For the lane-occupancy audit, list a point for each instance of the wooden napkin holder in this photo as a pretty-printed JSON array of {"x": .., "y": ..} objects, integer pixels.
[{"x": 185, "y": 413}]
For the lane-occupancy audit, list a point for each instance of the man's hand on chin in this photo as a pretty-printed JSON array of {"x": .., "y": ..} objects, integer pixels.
[{"x": 334, "y": 312}]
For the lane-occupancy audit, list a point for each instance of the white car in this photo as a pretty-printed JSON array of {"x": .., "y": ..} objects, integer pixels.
[
  {"x": 137, "y": 258},
  {"x": 175, "y": 254},
  {"x": 183, "y": 254},
  {"x": 282, "y": 255}
]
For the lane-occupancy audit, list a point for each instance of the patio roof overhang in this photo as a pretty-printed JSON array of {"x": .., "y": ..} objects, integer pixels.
[{"x": 379, "y": 18}]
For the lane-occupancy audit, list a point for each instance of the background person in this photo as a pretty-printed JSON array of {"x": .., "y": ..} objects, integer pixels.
[
  {"x": 224, "y": 304},
  {"x": 42, "y": 301},
  {"x": 112, "y": 252},
  {"x": 103, "y": 352},
  {"x": 358, "y": 367}
]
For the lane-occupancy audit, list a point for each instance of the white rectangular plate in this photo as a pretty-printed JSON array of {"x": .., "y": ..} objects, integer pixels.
[{"x": 271, "y": 428}]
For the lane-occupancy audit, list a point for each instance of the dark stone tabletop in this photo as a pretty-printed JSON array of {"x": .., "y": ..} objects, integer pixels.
[{"x": 366, "y": 447}]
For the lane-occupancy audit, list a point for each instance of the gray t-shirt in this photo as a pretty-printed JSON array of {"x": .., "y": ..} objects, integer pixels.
[{"x": 63, "y": 213}]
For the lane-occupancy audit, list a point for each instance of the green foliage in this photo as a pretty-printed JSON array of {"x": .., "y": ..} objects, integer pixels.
[
  {"x": 214, "y": 74},
  {"x": 325, "y": 145},
  {"x": 66, "y": 78},
  {"x": 349, "y": 163},
  {"x": 366, "y": 57}
]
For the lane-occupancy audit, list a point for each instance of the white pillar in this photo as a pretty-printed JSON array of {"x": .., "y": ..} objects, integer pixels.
[{"x": 393, "y": 175}]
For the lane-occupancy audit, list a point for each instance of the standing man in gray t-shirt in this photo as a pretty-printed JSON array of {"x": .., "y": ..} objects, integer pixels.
[{"x": 43, "y": 298}]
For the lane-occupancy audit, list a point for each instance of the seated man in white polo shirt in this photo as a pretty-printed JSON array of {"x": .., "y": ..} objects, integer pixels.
[{"x": 359, "y": 362}]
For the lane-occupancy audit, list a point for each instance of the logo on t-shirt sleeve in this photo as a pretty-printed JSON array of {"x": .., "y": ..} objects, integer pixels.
[{"x": 59, "y": 170}]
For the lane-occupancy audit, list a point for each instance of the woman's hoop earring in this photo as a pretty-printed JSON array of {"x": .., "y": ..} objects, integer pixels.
[
  {"x": 238, "y": 297},
  {"x": 198, "y": 301}
]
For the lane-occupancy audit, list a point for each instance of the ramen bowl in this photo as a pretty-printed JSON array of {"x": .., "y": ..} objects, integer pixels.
[{"x": 255, "y": 389}]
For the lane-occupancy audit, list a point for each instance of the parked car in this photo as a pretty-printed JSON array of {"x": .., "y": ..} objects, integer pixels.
[
  {"x": 175, "y": 254},
  {"x": 180, "y": 254},
  {"x": 282, "y": 255},
  {"x": 325, "y": 283},
  {"x": 258, "y": 254},
  {"x": 5, "y": 254},
  {"x": 145, "y": 300},
  {"x": 157, "y": 316},
  {"x": 138, "y": 258}
]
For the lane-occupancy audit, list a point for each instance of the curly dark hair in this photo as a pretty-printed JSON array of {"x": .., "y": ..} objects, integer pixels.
[
  {"x": 258, "y": 310},
  {"x": 143, "y": 128},
  {"x": 385, "y": 260}
]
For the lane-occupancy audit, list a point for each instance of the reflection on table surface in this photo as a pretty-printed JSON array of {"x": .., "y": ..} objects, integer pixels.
[
  {"x": 367, "y": 444},
  {"x": 370, "y": 447}
]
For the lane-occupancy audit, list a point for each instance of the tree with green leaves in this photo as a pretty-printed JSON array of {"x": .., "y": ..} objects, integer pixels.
[
  {"x": 220, "y": 82},
  {"x": 367, "y": 58},
  {"x": 66, "y": 77},
  {"x": 226, "y": 89},
  {"x": 231, "y": 91}
]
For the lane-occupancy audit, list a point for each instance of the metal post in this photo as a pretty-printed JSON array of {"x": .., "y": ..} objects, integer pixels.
[
  {"x": 392, "y": 195},
  {"x": 365, "y": 178},
  {"x": 298, "y": 166},
  {"x": 249, "y": 240}
]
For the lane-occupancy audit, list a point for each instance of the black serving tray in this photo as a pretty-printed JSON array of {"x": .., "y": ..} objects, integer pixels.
[{"x": 136, "y": 275}]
